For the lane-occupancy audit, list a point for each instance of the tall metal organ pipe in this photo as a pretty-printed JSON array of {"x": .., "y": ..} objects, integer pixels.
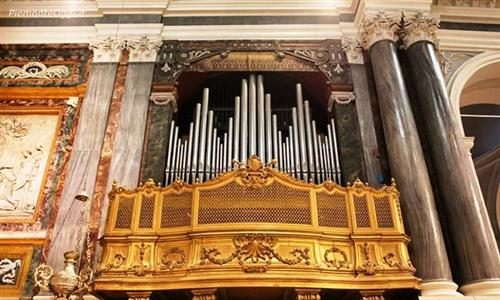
[{"x": 301, "y": 149}]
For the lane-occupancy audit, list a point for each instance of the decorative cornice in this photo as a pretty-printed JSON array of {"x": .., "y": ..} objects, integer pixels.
[
  {"x": 353, "y": 50},
  {"x": 340, "y": 97},
  {"x": 164, "y": 98},
  {"x": 143, "y": 49},
  {"x": 33, "y": 70},
  {"x": 107, "y": 49},
  {"x": 419, "y": 27},
  {"x": 378, "y": 26}
]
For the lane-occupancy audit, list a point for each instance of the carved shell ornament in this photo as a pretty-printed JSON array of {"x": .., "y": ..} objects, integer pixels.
[{"x": 34, "y": 70}]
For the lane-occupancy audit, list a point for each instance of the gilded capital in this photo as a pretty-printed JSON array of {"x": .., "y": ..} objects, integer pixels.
[
  {"x": 107, "y": 49},
  {"x": 419, "y": 27},
  {"x": 353, "y": 50},
  {"x": 378, "y": 26},
  {"x": 143, "y": 49}
]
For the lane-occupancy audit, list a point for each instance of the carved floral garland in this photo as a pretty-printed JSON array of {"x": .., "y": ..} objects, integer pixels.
[{"x": 254, "y": 253}]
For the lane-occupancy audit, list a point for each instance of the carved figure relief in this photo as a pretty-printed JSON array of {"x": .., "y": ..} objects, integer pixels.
[
  {"x": 25, "y": 144},
  {"x": 8, "y": 270}
]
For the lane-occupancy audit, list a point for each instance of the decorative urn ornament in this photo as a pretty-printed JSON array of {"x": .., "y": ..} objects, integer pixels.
[{"x": 69, "y": 282}]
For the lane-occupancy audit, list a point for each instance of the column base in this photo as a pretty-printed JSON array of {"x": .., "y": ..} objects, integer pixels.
[
  {"x": 482, "y": 288},
  {"x": 440, "y": 288}
]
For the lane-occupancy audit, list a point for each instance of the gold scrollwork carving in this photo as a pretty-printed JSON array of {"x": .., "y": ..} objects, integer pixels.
[
  {"x": 140, "y": 268},
  {"x": 391, "y": 262},
  {"x": 368, "y": 267},
  {"x": 173, "y": 258},
  {"x": 334, "y": 262},
  {"x": 117, "y": 262},
  {"x": 254, "y": 253},
  {"x": 254, "y": 174}
]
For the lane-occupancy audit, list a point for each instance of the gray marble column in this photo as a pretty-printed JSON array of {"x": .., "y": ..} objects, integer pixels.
[
  {"x": 406, "y": 159},
  {"x": 470, "y": 233},
  {"x": 373, "y": 168},
  {"x": 84, "y": 160},
  {"x": 128, "y": 146}
]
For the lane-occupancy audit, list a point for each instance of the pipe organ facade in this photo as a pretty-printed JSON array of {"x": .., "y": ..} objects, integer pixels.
[
  {"x": 297, "y": 149},
  {"x": 240, "y": 150}
]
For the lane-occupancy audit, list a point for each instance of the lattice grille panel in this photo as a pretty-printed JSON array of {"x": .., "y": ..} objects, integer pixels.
[
  {"x": 124, "y": 213},
  {"x": 361, "y": 210},
  {"x": 332, "y": 210},
  {"x": 275, "y": 203},
  {"x": 147, "y": 211},
  {"x": 383, "y": 212},
  {"x": 176, "y": 210}
]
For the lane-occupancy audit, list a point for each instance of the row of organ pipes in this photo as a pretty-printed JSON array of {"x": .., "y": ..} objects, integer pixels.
[{"x": 300, "y": 151}]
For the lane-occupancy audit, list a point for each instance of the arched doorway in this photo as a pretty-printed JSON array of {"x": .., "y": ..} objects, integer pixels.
[{"x": 475, "y": 92}]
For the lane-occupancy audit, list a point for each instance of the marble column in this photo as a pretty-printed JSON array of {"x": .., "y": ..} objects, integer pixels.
[
  {"x": 161, "y": 111},
  {"x": 373, "y": 168},
  {"x": 406, "y": 159},
  {"x": 477, "y": 259},
  {"x": 129, "y": 141},
  {"x": 82, "y": 170}
]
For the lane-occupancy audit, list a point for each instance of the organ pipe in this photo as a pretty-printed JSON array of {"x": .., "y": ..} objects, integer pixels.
[
  {"x": 244, "y": 120},
  {"x": 229, "y": 145},
  {"x": 301, "y": 131},
  {"x": 169, "y": 151},
  {"x": 236, "y": 127},
  {"x": 268, "y": 126},
  {"x": 195, "y": 145},
  {"x": 209, "y": 145},
  {"x": 203, "y": 133},
  {"x": 252, "y": 110},
  {"x": 301, "y": 149},
  {"x": 261, "y": 118}
]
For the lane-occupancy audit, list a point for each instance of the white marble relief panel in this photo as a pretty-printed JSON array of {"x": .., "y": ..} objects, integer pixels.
[{"x": 26, "y": 141}]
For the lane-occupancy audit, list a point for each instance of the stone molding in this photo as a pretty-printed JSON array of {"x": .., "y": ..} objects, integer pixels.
[
  {"x": 440, "y": 288},
  {"x": 164, "y": 98},
  {"x": 379, "y": 26},
  {"x": 418, "y": 27},
  {"x": 340, "y": 97},
  {"x": 143, "y": 49},
  {"x": 353, "y": 50},
  {"x": 482, "y": 288}
]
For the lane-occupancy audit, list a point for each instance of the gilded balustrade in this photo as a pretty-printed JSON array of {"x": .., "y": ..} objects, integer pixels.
[{"x": 254, "y": 226}]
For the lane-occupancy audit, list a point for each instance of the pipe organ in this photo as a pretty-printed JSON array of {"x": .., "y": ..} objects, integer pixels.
[{"x": 299, "y": 149}]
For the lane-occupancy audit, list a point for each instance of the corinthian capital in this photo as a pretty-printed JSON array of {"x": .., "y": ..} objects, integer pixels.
[
  {"x": 107, "y": 49},
  {"x": 419, "y": 27},
  {"x": 143, "y": 49},
  {"x": 377, "y": 27},
  {"x": 353, "y": 50}
]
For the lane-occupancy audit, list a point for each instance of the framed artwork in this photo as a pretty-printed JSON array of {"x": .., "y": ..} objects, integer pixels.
[{"x": 27, "y": 141}]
